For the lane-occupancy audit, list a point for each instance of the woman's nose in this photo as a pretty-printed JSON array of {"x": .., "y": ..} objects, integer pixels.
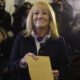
[{"x": 40, "y": 15}]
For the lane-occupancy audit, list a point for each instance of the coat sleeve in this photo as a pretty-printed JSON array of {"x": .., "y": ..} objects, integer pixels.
[{"x": 14, "y": 59}]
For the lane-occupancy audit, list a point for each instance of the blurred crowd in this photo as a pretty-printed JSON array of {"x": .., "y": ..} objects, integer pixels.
[{"x": 68, "y": 26}]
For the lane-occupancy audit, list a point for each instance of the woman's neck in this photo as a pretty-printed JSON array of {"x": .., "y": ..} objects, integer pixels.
[{"x": 41, "y": 31}]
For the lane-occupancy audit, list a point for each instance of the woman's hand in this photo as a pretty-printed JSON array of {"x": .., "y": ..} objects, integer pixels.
[
  {"x": 24, "y": 59},
  {"x": 55, "y": 74}
]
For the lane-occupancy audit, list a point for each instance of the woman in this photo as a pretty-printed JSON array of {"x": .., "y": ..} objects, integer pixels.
[{"x": 40, "y": 38}]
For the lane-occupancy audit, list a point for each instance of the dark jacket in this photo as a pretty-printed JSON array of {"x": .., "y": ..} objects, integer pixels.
[{"x": 55, "y": 49}]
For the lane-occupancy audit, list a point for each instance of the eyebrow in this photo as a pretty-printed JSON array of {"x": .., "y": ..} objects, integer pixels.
[{"x": 40, "y": 11}]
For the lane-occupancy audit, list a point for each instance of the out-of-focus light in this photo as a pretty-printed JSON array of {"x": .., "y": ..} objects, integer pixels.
[{"x": 56, "y": 0}]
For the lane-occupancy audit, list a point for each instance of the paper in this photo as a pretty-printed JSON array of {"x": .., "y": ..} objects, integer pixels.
[{"x": 40, "y": 69}]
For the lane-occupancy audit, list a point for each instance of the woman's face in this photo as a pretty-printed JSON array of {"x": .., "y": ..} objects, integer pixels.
[
  {"x": 27, "y": 9},
  {"x": 41, "y": 17}
]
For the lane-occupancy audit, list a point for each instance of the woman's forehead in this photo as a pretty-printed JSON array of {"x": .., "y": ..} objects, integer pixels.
[{"x": 41, "y": 7}]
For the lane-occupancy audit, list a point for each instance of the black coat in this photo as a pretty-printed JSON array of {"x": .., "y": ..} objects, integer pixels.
[{"x": 55, "y": 49}]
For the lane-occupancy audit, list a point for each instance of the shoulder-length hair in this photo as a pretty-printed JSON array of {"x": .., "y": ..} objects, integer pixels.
[{"x": 52, "y": 25}]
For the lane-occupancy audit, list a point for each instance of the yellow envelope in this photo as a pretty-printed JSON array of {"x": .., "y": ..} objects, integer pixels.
[{"x": 40, "y": 69}]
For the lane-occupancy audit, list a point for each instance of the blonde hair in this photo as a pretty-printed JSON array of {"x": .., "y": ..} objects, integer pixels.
[{"x": 52, "y": 26}]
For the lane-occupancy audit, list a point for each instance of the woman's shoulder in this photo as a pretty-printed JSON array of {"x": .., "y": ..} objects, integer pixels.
[
  {"x": 22, "y": 36},
  {"x": 61, "y": 39},
  {"x": 58, "y": 39}
]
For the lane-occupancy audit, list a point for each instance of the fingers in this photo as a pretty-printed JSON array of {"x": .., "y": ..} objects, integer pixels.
[
  {"x": 23, "y": 61},
  {"x": 32, "y": 55},
  {"x": 55, "y": 74}
]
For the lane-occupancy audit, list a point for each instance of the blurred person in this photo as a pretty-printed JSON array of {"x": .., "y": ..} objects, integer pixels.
[
  {"x": 20, "y": 16},
  {"x": 74, "y": 49},
  {"x": 64, "y": 15},
  {"x": 5, "y": 22},
  {"x": 75, "y": 35},
  {"x": 4, "y": 54},
  {"x": 41, "y": 38},
  {"x": 5, "y": 18},
  {"x": 5, "y": 40},
  {"x": 67, "y": 19},
  {"x": 57, "y": 5}
]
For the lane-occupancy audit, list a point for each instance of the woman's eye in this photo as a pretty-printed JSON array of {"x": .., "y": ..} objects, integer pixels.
[
  {"x": 44, "y": 13},
  {"x": 36, "y": 13}
]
